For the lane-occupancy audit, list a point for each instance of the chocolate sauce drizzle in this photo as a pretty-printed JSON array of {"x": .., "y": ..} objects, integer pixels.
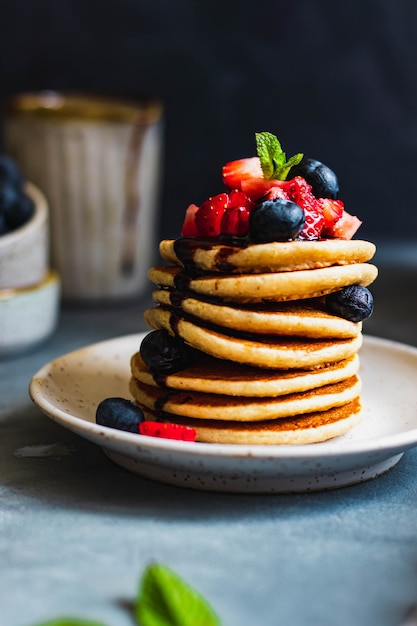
[{"x": 185, "y": 249}]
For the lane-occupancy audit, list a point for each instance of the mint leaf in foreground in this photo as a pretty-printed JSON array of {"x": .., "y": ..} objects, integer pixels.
[
  {"x": 273, "y": 159},
  {"x": 70, "y": 621},
  {"x": 164, "y": 599}
]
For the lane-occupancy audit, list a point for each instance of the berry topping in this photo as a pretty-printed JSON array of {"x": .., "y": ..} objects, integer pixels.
[
  {"x": 332, "y": 213},
  {"x": 314, "y": 223},
  {"x": 354, "y": 303},
  {"x": 322, "y": 179},
  {"x": 235, "y": 172},
  {"x": 208, "y": 218},
  {"x": 276, "y": 220},
  {"x": 167, "y": 431},
  {"x": 189, "y": 227},
  {"x": 224, "y": 214},
  {"x": 253, "y": 181},
  {"x": 346, "y": 227},
  {"x": 119, "y": 413},
  {"x": 164, "y": 353},
  {"x": 235, "y": 222}
]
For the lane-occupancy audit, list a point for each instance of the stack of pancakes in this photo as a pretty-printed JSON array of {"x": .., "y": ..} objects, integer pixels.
[{"x": 269, "y": 364}]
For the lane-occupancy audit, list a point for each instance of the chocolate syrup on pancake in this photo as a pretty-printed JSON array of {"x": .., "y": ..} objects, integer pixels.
[{"x": 185, "y": 250}]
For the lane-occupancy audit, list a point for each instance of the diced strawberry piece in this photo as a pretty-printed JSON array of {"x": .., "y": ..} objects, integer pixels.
[
  {"x": 235, "y": 221},
  {"x": 239, "y": 199},
  {"x": 276, "y": 192},
  {"x": 209, "y": 216},
  {"x": 167, "y": 430},
  {"x": 313, "y": 225},
  {"x": 300, "y": 192},
  {"x": 189, "y": 227},
  {"x": 332, "y": 212},
  {"x": 346, "y": 227},
  {"x": 235, "y": 172},
  {"x": 256, "y": 188}
]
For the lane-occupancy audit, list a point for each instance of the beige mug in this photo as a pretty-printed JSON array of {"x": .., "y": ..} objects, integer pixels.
[{"x": 98, "y": 161}]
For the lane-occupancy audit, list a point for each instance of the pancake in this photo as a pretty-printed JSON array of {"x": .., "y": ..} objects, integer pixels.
[
  {"x": 262, "y": 351},
  {"x": 243, "y": 409},
  {"x": 211, "y": 375},
  {"x": 266, "y": 257},
  {"x": 287, "y": 318},
  {"x": 278, "y": 286},
  {"x": 306, "y": 429}
]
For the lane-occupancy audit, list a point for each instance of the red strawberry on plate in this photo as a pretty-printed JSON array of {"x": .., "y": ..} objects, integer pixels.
[{"x": 167, "y": 431}]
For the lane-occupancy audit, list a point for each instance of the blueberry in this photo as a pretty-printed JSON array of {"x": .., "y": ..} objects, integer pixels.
[
  {"x": 164, "y": 353},
  {"x": 322, "y": 179},
  {"x": 10, "y": 172},
  {"x": 9, "y": 196},
  {"x": 119, "y": 413},
  {"x": 276, "y": 220},
  {"x": 354, "y": 303},
  {"x": 20, "y": 212}
]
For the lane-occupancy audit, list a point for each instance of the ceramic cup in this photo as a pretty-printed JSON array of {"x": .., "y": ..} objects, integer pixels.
[
  {"x": 24, "y": 252},
  {"x": 28, "y": 315},
  {"x": 98, "y": 162}
]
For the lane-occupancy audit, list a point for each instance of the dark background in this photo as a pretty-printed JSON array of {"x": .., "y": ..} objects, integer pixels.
[{"x": 335, "y": 80}]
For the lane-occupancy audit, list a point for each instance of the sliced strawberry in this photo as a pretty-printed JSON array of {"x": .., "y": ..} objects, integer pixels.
[
  {"x": 276, "y": 192},
  {"x": 235, "y": 221},
  {"x": 189, "y": 227},
  {"x": 235, "y": 172},
  {"x": 346, "y": 227},
  {"x": 239, "y": 199},
  {"x": 300, "y": 192},
  {"x": 313, "y": 226},
  {"x": 209, "y": 216},
  {"x": 167, "y": 431},
  {"x": 332, "y": 212},
  {"x": 256, "y": 188}
]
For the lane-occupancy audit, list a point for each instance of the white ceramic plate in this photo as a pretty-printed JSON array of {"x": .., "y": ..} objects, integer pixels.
[{"x": 69, "y": 389}]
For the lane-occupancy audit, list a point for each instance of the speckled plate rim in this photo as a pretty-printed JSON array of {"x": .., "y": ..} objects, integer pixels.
[{"x": 388, "y": 428}]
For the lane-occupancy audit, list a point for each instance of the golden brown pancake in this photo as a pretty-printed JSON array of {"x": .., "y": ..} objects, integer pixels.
[
  {"x": 263, "y": 351},
  {"x": 209, "y": 375},
  {"x": 296, "y": 318},
  {"x": 276, "y": 286},
  {"x": 243, "y": 409},
  {"x": 267, "y": 257},
  {"x": 306, "y": 429}
]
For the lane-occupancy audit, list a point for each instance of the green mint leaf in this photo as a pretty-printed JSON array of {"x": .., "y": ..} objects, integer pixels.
[
  {"x": 164, "y": 599},
  {"x": 294, "y": 160},
  {"x": 270, "y": 153},
  {"x": 71, "y": 621},
  {"x": 273, "y": 159}
]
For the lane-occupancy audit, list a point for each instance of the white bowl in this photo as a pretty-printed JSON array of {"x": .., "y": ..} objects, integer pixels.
[
  {"x": 28, "y": 315},
  {"x": 24, "y": 252}
]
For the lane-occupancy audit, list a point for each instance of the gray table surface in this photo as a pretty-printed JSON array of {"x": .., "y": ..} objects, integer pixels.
[{"x": 76, "y": 531}]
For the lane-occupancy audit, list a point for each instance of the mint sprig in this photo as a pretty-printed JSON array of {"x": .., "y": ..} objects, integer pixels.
[
  {"x": 273, "y": 159},
  {"x": 164, "y": 599}
]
